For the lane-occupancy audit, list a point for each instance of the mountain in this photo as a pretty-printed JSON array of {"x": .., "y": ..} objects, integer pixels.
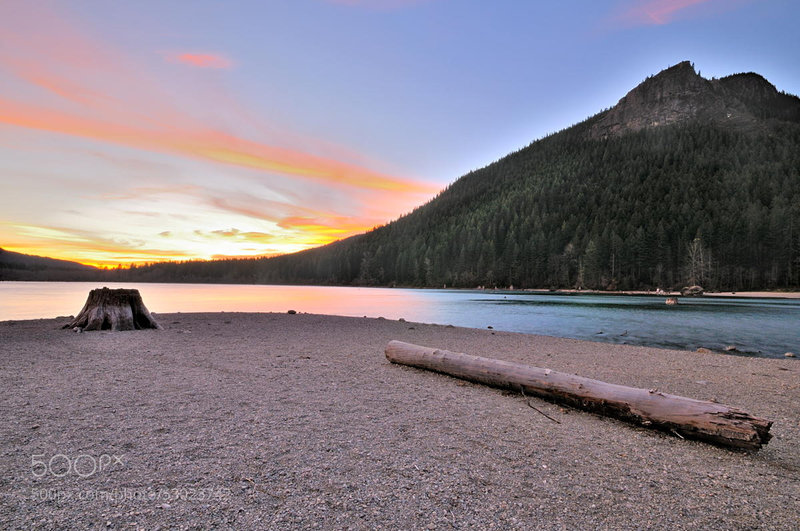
[
  {"x": 685, "y": 180},
  {"x": 678, "y": 94},
  {"x": 17, "y": 266}
]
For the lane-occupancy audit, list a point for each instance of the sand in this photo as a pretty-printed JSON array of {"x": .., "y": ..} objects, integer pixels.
[{"x": 276, "y": 421}]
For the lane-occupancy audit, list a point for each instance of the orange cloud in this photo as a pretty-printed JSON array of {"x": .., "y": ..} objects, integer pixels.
[
  {"x": 324, "y": 230},
  {"x": 305, "y": 226},
  {"x": 209, "y": 145},
  {"x": 201, "y": 60}
]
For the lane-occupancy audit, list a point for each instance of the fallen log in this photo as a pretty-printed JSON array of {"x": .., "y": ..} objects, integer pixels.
[
  {"x": 113, "y": 309},
  {"x": 697, "y": 419}
]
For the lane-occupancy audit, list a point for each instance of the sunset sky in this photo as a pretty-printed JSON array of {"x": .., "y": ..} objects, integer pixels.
[{"x": 138, "y": 131}]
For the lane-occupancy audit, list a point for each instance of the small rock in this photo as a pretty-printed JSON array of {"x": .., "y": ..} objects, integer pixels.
[
  {"x": 704, "y": 350},
  {"x": 292, "y": 312},
  {"x": 402, "y": 320},
  {"x": 730, "y": 348},
  {"x": 490, "y": 327},
  {"x": 790, "y": 355}
]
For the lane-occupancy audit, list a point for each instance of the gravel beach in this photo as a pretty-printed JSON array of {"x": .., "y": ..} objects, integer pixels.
[{"x": 278, "y": 421}]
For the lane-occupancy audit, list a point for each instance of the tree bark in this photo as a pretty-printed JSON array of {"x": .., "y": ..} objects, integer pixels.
[
  {"x": 114, "y": 309},
  {"x": 696, "y": 419}
]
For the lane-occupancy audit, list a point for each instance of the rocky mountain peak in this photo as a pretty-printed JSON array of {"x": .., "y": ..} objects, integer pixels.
[{"x": 679, "y": 94}]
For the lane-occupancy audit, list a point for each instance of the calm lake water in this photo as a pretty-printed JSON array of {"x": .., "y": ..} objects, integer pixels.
[{"x": 763, "y": 327}]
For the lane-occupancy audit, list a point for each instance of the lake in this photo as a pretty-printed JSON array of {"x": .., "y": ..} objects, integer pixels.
[{"x": 755, "y": 326}]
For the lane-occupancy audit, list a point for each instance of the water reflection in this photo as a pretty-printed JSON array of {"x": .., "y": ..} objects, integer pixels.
[{"x": 764, "y": 327}]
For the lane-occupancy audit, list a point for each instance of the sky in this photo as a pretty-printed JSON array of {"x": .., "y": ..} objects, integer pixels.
[{"x": 142, "y": 131}]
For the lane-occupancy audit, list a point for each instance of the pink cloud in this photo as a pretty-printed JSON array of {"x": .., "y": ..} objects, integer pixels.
[
  {"x": 661, "y": 12},
  {"x": 200, "y": 60}
]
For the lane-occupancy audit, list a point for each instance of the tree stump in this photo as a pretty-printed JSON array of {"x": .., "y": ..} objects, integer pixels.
[{"x": 114, "y": 309}]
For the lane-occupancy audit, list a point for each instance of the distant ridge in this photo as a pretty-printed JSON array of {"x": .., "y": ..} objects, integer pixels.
[{"x": 18, "y": 266}]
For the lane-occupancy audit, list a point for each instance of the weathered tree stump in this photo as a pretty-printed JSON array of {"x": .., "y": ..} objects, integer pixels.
[
  {"x": 114, "y": 309},
  {"x": 697, "y": 419}
]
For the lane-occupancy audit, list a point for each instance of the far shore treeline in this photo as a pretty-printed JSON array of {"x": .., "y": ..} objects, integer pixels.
[{"x": 694, "y": 202}]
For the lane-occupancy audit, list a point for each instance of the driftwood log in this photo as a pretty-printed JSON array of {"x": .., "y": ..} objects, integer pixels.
[
  {"x": 696, "y": 419},
  {"x": 114, "y": 309}
]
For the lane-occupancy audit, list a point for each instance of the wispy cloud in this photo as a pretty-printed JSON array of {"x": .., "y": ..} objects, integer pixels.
[
  {"x": 661, "y": 12},
  {"x": 200, "y": 60},
  {"x": 378, "y": 4},
  {"x": 93, "y": 95},
  {"x": 237, "y": 235},
  {"x": 206, "y": 144}
]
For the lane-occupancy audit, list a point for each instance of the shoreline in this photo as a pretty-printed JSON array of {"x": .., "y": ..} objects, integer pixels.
[
  {"x": 533, "y": 291},
  {"x": 282, "y": 420},
  {"x": 719, "y": 294},
  {"x": 599, "y": 339}
]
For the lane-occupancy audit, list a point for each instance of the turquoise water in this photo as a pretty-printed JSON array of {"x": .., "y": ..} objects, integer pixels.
[{"x": 756, "y": 327}]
